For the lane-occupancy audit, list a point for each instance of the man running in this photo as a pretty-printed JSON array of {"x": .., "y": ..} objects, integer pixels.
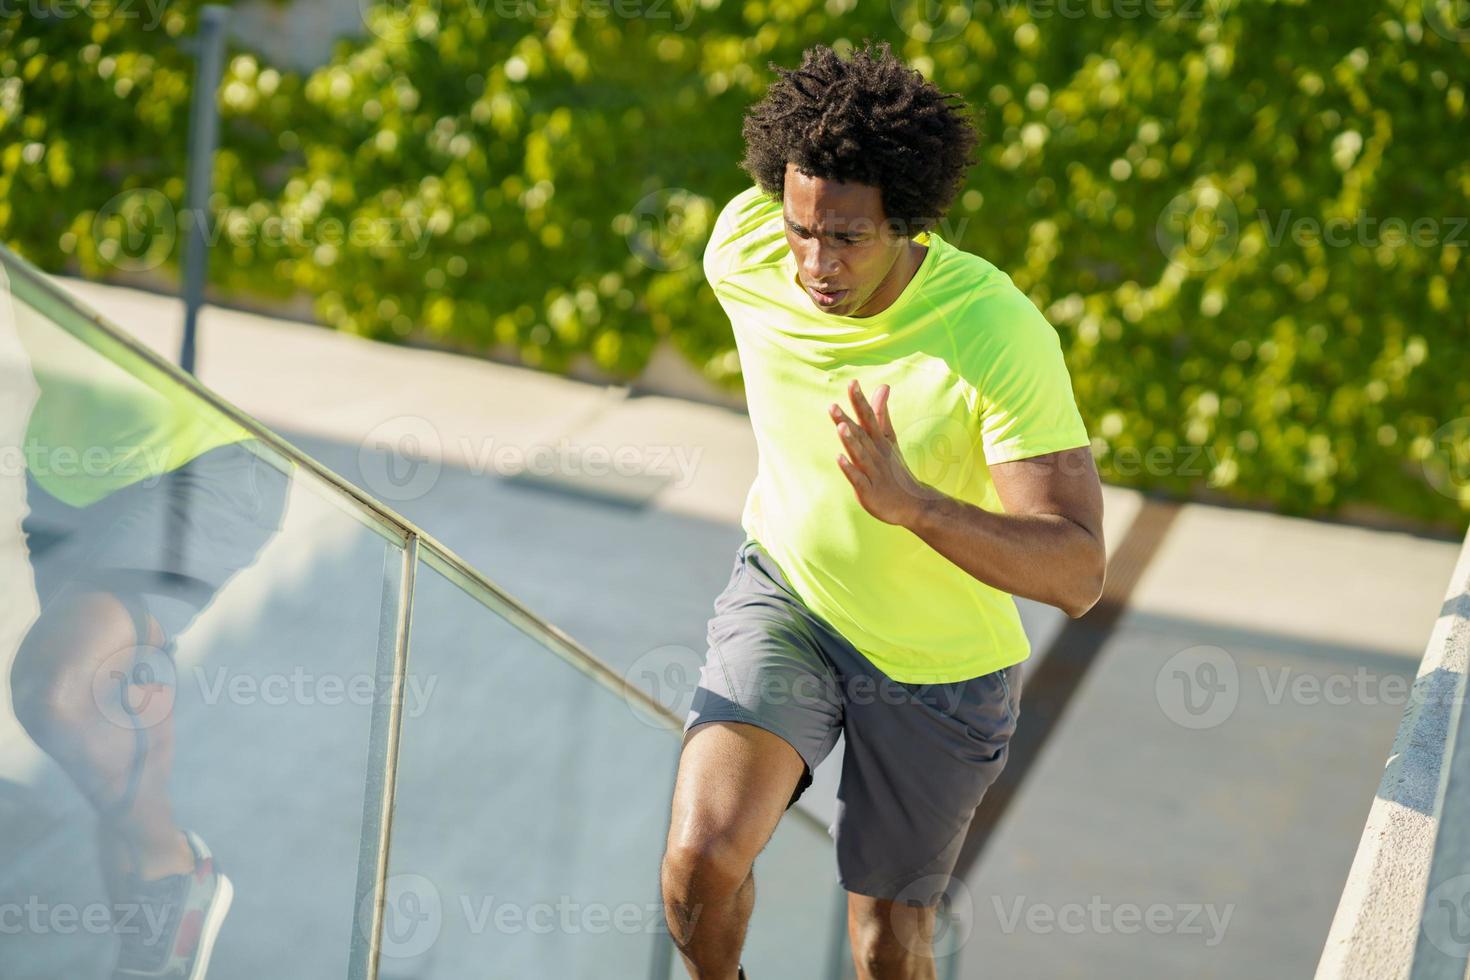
[{"x": 921, "y": 461}]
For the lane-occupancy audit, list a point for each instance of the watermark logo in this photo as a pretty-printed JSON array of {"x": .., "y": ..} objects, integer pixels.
[
  {"x": 954, "y": 914},
  {"x": 135, "y": 687},
  {"x": 666, "y": 229},
  {"x": 1447, "y": 466},
  {"x": 1199, "y": 228},
  {"x": 1447, "y": 917},
  {"x": 939, "y": 450},
  {"x": 136, "y": 230},
  {"x": 1450, "y": 19},
  {"x": 401, "y": 458},
  {"x": 1198, "y": 687},
  {"x": 413, "y": 915},
  {"x": 669, "y": 675}
]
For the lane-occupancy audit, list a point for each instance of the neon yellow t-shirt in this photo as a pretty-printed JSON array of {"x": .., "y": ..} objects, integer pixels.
[{"x": 972, "y": 364}]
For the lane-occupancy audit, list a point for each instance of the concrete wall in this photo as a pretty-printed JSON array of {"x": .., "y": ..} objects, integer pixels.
[{"x": 1377, "y": 922}]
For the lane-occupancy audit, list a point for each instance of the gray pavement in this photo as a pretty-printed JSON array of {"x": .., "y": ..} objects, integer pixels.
[{"x": 1199, "y": 805}]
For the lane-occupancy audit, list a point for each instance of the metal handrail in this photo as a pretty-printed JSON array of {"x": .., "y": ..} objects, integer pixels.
[{"x": 399, "y": 527}]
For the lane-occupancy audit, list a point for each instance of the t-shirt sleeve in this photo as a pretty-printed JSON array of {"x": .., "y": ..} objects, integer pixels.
[
  {"x": 719, "y": 242},
  {"x": 745, "y": 233},
  {"x": 1024, "y": 398}
]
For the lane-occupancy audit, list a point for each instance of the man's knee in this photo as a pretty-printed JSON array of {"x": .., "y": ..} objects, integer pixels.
[
  {"x": 887, "y": 959},
  {"x": 891, "y": 940},
  {"x": 65, "y": 666},
  {"x": 712, "y": 865}
]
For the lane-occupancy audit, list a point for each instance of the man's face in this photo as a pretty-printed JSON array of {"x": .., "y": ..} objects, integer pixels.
[{"x": 842, "y": 242}]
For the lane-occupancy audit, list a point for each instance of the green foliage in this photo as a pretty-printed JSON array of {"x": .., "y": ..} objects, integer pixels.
[{"x": 1198, "y": 194}]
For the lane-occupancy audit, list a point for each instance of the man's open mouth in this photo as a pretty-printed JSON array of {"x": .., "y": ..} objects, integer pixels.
[{"x": 826, "y": 298}]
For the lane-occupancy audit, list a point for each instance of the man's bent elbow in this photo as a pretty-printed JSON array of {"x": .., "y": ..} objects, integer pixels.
[{"x": 1087, "y": 594}]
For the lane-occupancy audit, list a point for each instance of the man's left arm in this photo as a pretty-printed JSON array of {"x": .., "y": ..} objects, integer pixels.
[{"x": 1047, "y": 545}]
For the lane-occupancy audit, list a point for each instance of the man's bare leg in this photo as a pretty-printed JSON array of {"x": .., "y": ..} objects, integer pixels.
[
  {"x": 76, "y": 640},
  {"x": 732, "y": 788},
  {"x": 890, "y": 940}
]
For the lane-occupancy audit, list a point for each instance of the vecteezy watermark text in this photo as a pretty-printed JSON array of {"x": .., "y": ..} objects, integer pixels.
[
  {"x": 138, "y": 229},
  {"x": 415, "y": 913},
  {"x": 37, "y": 917},
  {"x": 149, "y": 12},
  {"x": 1098, "y": 916},
  {"x": 1201, "y": 686},
  {"x": 402, "y": 457}
]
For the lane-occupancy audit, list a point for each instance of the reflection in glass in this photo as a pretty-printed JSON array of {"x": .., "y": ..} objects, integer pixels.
[
  {"x": 198, "y": 633},
  {"x": 530, "y": 817},
  {"x": 190, "y": 626},
  {"x": 530, "y": 808}
]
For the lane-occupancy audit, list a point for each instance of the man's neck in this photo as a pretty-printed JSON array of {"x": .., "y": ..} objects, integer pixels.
[{"x": 898, "y": 280}]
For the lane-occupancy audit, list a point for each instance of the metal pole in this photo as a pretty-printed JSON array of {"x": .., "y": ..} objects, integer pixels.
[
  {"x": 838, "y": 954},
  {"x": 394, "y": 627},
  {"x": 952, "y": 970},
  {"x": 203, "y": 137}
]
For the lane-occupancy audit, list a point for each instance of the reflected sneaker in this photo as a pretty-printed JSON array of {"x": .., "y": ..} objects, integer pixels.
[{"x": 167, "y": 927}]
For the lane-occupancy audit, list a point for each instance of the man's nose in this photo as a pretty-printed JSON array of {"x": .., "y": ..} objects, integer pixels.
[{"x": 819, "y": 262}]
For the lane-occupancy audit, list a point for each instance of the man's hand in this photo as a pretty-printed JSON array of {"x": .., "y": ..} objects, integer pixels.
[
  {"x": 1045, "y": 543},
  {"x": 874, "y": 465}
]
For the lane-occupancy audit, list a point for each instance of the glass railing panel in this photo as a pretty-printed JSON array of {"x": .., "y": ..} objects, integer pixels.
[
  {"x": 530, "y": 808},
  {"x": 192, "y": 630},
  {"x": 531, "y": 812}
]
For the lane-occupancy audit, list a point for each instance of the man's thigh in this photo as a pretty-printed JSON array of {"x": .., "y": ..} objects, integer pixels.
[
  {"x": 732, "y": 785},
  {"x": 766, "y": 668}
]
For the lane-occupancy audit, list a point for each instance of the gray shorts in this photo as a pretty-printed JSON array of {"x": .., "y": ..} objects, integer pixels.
[{"x": 918, "y": 757}]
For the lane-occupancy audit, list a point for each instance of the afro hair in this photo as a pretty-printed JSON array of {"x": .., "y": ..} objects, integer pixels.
[{"x": 869, "y": 120}]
